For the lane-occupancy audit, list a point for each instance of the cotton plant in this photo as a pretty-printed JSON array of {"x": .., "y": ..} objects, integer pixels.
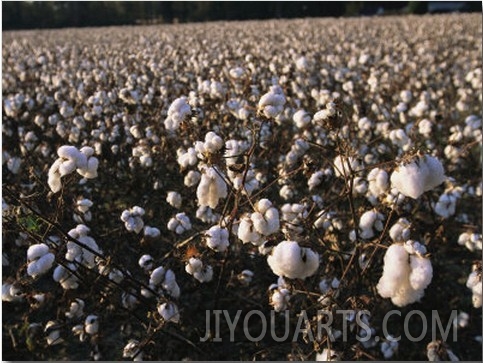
[
  {"x": 290, "y": 260},
  {"x": 217, "y": 238},
  {"x": 133, "y": 350},
  {"x": 66, "y": 277},
  {"x": 174, "y": 199},
  {"x": 82, "y": 213},
  {"x": 52, "y": 333},
  {"x": 421, "y": 174},
  {"x": 164, "y": 280},
  {"x": 343, "y": 166},
  {"x": 438, "y": 351},
  {"x": 472, "y": 241},
  {"x": 178, "y": 112},
  {"x": 192, "y": 178},
  {"x": 76, "y": 309},
  {"x": 169, "y": 312},
  {"x": 132, "y": 219},
  {"x": 378, "y": 183},
  {"x": 71, "y": 159},
  {"x": 370, "y": 223},
  {"x": 180, "y": 223},
  {"x": 389, "y": 347},
  {"x": 474, "y": 283},
  {"x": 201, "y": 272},
  {"x": 12, "y": 292},
  {"x": 151, "y": 232},
  {"x": 211, "y": 188},
  {"x": 445, "y": 207},
  {"x": 279, "y": 295},
  {"x": 317, "y": 177},
  {"x": 40, "y": 259},
  {"x": 186, "y": 158},
  {"x": 407, "y": 273},
  {"x": 271, "y": 103},
  {"x": 207, "y": 215},
  {"x": 320, "y": 117},
  {"x": 75, "y": 250},
  {"x": 245, "y": 277},
  {"x": 400, "y": 231},
  {"x": 211, "y": 145},
  {"x": 301, "y": 118},
  {"x": 293, "y": 217},
  {"x": 328, "y": 355}
]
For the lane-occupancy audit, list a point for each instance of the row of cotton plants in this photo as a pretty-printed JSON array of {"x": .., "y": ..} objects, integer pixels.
[{"x": 154, "y": 174}]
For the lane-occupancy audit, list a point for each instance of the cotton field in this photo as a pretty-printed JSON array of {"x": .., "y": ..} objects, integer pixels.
[{"x": 192, "y": 191}]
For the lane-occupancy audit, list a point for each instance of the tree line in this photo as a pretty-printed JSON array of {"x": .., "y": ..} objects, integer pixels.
[{"x": 60, "y": 14}]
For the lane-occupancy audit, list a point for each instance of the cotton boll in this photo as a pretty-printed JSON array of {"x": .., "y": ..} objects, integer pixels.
[
  {"x": 378, "y": 181},
  {"x": 396, "y": 270},
  {"x": 76, "y": 309},
  {"x": 405, "y": 276},
  {"x": 370, "y": 222},
  {"x": 192, "y": 178},
  {"x": 472, "y": 241},
  {"x": 211, "y": 145},
  {"x": 206, "y": 214},
  {"x": 36, "y": 251},
  {"x": 271, "y": 103},
  {"x": 474, "y": 283},
  {"x": 157, "y": 276},
  {"x": 389, "y": 347},
  {"x": 91, "y": 324},
  {"x": 41, "y": 265},
  {"x": 52, "y": 331},
  {"x": 266, "y": 221},
  {"x": 328, "y": 355},
  {"x": 301, "y": 118},
  {"x": 343, "y": 166},
  {"x": 12, "y": 292},
  {"x": 169, "y": 312},
  {"x": 201, "y": 273},
  {"x": 187, "y": 158},
  {"x": 217, "y": 239},
  {"x": 245, "y": 277},
  {"x": 279, "y": 298},
  {"x": 445, "y": 207},
  {"x": 421, "y": 272},
  {"x": 211, "y": 188},
  {"x": 290, "y": 260},
  {"x": 151, "y": 232},
  {"x": 65, "y": 277},
  {"x": 132, "y": 219},
  {"x": 178, "y": 111},
  {"x": 131, "y": 350},
  {"x": 247, "y": 233},
  {"x": 179, "y": 223},
  {"x": 174, "y": 199},
  {"x": 420, "y": 175},
  {"x": 400, "y": 231},
  {"x": 146, "y": 262}
]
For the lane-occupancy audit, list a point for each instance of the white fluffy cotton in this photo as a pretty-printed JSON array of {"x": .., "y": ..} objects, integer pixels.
[
  {"x": 169, "y": 312},
  {"x": 179, "y": 223},
  {"x": 132, "y": 219},
  {"x": 217, "y": 238},
  {"x": 201, "y": 272},
  {"x": 271, "y": 103},
  {"x": 211, "y": 188},
  {"x": 290, "y": 260},
  {"x": 420, "y": 175},
  {"x": 404, "y": 276},
  {"x": 177, "y": 112}
]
